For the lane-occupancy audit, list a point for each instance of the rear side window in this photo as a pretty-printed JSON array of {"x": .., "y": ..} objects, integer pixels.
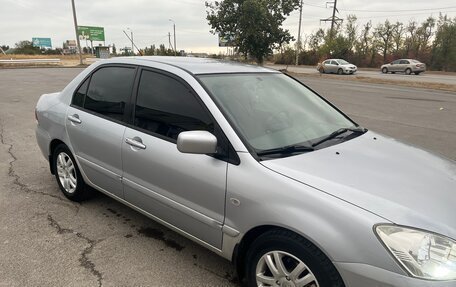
[
  {"x": 79, "y": 96},
  {"x": 109, "y": 91},
  {"x": 166, "y": 107}
]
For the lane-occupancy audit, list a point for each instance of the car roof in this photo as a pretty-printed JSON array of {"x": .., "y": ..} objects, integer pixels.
[{"x": 195, "y": 65}]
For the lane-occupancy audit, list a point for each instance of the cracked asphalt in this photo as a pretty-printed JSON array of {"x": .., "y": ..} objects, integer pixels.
[{"x": 46, "y": 240}]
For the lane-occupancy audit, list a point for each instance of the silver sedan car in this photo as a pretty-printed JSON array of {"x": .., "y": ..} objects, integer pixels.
[
  {"x": 258, "y": 168},
  {"x": 406, "y": 66},
  {"x": 336, "y": 66}
]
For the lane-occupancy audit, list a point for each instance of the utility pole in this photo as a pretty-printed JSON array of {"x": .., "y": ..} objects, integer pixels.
[
  {"x": 174, "y": 27},
  {"x": 132, "y": 44},
  {"x": 334, "y": 19},
  {"x": 169, "y": 41},
  {"x": 76, "y": 30},
  {"x": 298, "y": 46}
]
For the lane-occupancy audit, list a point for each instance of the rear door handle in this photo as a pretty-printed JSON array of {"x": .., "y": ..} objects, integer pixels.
[
  {"x": 135, "y": 142},
  {"x": 75, "y": 119}
]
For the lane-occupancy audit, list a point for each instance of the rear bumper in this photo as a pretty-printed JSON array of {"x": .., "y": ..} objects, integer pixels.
[{"x": 363, "y": 275}]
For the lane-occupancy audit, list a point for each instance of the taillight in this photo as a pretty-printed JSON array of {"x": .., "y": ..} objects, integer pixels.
[{"x": 418, "y": 65}]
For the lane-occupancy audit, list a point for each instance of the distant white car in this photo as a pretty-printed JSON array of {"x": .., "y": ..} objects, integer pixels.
[{"x": 338, "y": 66}]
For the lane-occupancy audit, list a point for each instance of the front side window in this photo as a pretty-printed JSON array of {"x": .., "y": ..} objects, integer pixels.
[
  {"x": 109, "y": 90},
  {"x": 272, "y": 110},
  {"x": 166, "y": 107}
]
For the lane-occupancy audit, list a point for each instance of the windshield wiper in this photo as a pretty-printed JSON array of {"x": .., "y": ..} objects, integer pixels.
[
  {"x": 286, "y": 150},
  {"x": 339, "y": 132}
]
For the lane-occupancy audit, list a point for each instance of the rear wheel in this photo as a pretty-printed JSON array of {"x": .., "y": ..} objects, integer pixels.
[
  {"x": 68, "y": 175},
  {"x": 283, "y": 258},
  {"x": 385, "y": 70},
  {"x": 417, "y": 73},
  {"x": 340, "y": 71},
  {"x": 408, "y": 71}
]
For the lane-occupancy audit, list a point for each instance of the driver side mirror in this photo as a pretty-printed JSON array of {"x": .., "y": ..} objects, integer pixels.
[{"x": 197, "y": 142}]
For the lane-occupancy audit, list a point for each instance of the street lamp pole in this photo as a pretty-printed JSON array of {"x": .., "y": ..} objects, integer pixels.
[
  {"x": 174, "y": 27},
  {"x": 298, "y": 44},
  {"x": 76, "y": 30}
]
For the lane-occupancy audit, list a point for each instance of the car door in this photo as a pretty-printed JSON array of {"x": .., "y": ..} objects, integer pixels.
[
  {"x": 334, "y": 66},
  {"x": 395, "y": 66},
  {"x": 186, "y": 191},
  {"x": 404, "y": 65},
  {"x": 95, "y": 125}
]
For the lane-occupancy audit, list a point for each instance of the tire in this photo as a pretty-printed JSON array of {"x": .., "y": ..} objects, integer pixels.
[
  {"x": 408, "y": 71},
  {"x": 321, "y": 70},
  {"x": 385, "y": 70},
  {"x": 417, "y": 73},
  {"x": 68, "y": 176},
  {"x": 292, "y": 250},
  {"x": 393, "y": 72},
  {"x": 340, "y": 72}
]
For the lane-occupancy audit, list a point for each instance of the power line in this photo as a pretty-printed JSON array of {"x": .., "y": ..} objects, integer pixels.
[
  {"x": 392, "y": 11},
  {"x": 334, "y": 19}
]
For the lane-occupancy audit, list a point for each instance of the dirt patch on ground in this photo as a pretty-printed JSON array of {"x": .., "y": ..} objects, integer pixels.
[{"x": 423, "y": 85}]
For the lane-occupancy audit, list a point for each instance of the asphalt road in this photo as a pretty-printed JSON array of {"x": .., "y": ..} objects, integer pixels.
[
  {"x": 45, "y": 240},
  {"x": 429, "y": 77}
]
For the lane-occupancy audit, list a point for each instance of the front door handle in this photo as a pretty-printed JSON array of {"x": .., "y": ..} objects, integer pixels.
[
  {"x": 135, "y": 142},
  {"x": 75, "y": 119}
]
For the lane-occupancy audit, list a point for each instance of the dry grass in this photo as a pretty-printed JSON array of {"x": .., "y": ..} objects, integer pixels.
[{"x": 424, "y": 85}]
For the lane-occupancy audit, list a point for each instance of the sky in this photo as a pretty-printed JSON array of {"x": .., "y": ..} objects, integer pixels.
[{"x": 150, "y": 19}]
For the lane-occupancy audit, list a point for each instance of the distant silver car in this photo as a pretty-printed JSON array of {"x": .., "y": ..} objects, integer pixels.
[
  {"x": 407, "y": 66},
  {"x": 256, "y": 167},
  {"x": 336, "y": 66}
]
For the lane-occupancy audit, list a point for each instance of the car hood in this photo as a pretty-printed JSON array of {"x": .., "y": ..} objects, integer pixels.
[{"x": 401, "y": 183}]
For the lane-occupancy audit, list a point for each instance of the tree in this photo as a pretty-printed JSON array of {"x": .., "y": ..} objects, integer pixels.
[
  {"x": 384, "y": 33},
  {"x": 4, "y": 48},
  {"x": 444, "y": 46},
  {"x": 255, "y": 24},
  {"x": 27, "y": 48},
  {"x": 398, "y": 34}
]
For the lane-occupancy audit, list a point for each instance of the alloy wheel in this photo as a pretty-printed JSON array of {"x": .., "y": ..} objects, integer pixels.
[
  {"x": 279, "y": 268},
  {"x": 66, "y": 172}
]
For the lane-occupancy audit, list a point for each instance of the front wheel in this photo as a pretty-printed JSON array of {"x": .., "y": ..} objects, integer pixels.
[
  {"x": 283, "y": 258},
  {"x": 340, "y": 72},
  {"x": 67, "y": 174},
  {"x": 385, "y": 71},
  {"x": 321, "y": 70}
]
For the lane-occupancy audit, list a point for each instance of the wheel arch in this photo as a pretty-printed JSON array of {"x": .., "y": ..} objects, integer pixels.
[
  {"x": 240, "y": 250},
  {"x": 52, "y": 146}
]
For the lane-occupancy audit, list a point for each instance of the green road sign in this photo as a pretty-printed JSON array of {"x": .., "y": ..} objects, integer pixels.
[
  {"x": 91, "y": 33},
  {"x": 42, "y": 42}
]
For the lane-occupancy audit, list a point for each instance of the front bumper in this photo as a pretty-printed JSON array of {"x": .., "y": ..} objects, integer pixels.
[
  {"x": 350, "y": 71},
  {"x": 363, "y": 275}
]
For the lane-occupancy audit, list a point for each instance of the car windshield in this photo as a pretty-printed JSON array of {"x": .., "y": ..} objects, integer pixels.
[
  {"x": 272, "y": 110},
  {"x": 343, "y": 62}
]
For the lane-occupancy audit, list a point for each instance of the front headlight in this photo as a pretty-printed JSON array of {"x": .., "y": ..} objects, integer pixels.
[{"x": 423, "y": 254}]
